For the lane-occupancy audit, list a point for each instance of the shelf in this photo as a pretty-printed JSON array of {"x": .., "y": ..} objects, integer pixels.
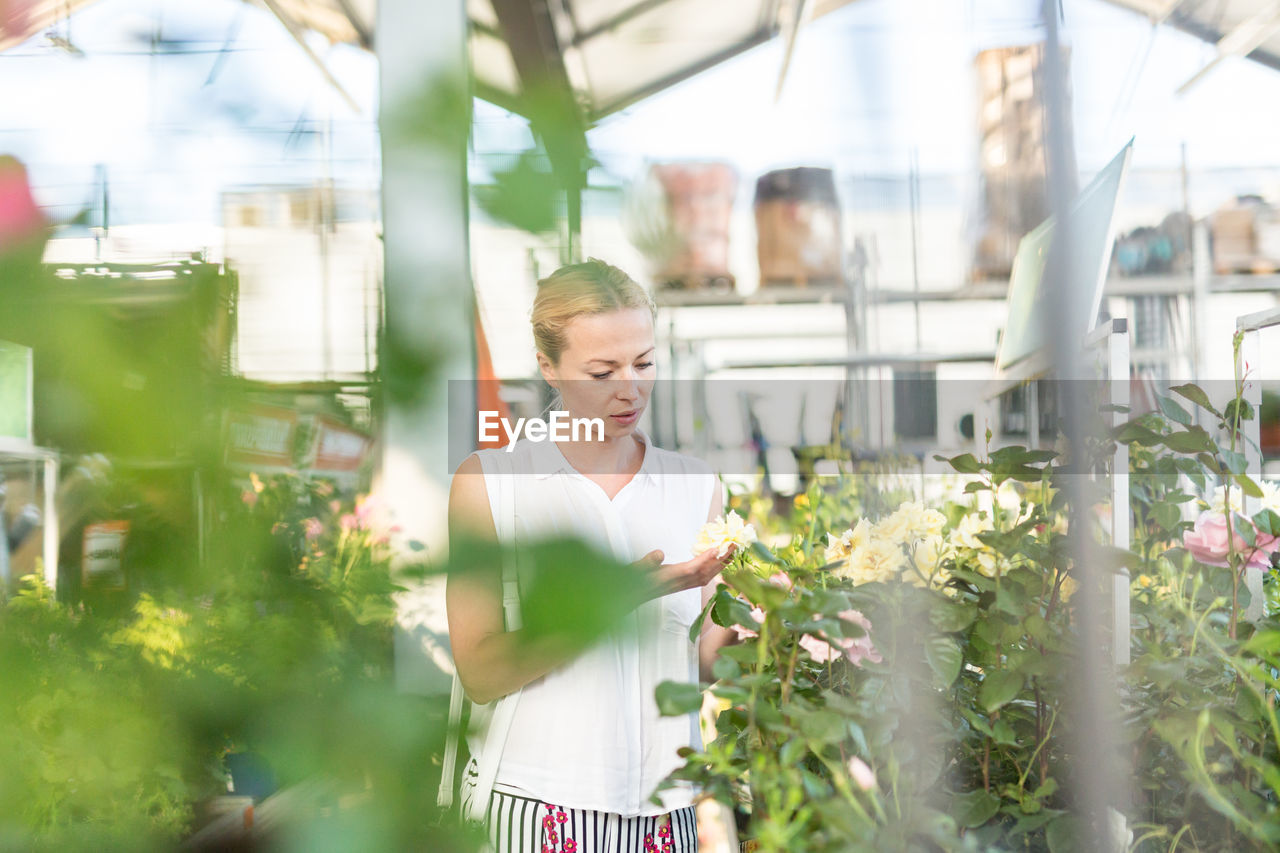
[
  {"x": 865, "y": 360},
  {"x": 1121, "y": 286},
  {"x": 825, "y": 294}
]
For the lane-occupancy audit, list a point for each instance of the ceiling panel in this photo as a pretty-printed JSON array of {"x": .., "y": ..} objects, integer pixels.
[
  {"x": 614, "y": 52},
  {"x": 1215, "y": 20}
]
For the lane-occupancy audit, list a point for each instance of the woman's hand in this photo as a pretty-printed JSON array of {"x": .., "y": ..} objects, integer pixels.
[{"x": 691, "y": 574}]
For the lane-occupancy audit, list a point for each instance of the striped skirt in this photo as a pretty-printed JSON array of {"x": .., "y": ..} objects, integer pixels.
[{"x": 521, "y": 825}]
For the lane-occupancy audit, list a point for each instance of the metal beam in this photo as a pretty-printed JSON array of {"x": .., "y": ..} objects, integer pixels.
[
  {"x": 1247, "y": 37},
  {"x": 617, "y": 20},
  {"x": 299, "y": 35},
  {"x": 792, "y": 33},
  {"x": 683, "y": 74},
  {"x": 364, "y": 32}
]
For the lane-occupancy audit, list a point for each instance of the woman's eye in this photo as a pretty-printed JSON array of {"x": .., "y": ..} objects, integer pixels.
[
  {"x": 604, "y": 375},
  {"x": 644, "y": 365}
]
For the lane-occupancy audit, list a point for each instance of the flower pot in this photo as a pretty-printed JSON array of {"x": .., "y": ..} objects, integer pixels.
[
  {"x": 1270, "y": 439},
  {"x": 251, "y": 776}
]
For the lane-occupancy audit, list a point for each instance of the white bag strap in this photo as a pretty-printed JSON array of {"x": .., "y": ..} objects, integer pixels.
[{"x": 500, "y": 723}]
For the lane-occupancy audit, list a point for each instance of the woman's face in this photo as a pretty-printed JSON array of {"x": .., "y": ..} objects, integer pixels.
[{"x": 606, "y": 370}]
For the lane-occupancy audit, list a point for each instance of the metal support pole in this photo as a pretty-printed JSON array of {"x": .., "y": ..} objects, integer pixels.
[
  {"x": 424, "y": 122},
  {"x": 1118, "y": 379},
  {"x": 1250, "y": 326},
  {"x": 52, "y": 533},
  {"x": 1096, "y": 769}
]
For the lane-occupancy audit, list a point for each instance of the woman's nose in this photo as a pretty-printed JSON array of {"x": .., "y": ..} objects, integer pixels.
[{"x": 628, "y": 385}]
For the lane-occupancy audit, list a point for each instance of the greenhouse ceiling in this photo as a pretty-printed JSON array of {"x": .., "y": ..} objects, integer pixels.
[
  {"x": 613, "y": 53},
  {"x": 609, "y": 53}
]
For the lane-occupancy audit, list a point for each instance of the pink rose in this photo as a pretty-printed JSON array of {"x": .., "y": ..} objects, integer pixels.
[
  {"x": 348, "y": 521},
  {"x": 861, "y": 774},
  {"x": 782, "y": 580},
  {"x": 858, "y": 649},
  {"x": 312, "y": 527},
  {"x": 1210, "y": 542},
  {"x": 820, "y": 650}
]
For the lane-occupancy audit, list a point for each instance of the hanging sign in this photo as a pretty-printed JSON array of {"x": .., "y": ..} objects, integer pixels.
[
  {"x": 261, "y": 436},
  {"x": 103, "y": 563},
  {"x": 337, "y": 447}
]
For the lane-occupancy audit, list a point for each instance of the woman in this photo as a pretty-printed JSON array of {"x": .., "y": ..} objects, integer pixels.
[{"x": 586, "y": 746}]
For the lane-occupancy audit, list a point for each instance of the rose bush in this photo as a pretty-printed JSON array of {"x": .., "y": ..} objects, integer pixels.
[{"x": 907, "y": 690}]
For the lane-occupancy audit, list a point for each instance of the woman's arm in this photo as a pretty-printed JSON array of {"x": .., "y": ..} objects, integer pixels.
[
  {"x": 492, "y": 662},
  {"x": 713, "y": 637}
]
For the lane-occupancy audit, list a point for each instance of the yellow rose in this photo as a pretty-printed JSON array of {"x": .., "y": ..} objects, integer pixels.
[
  {"x": 876, "y": 560},
  {"x": 839, "y": 549},
  {"x": 965, "y": 534},
  {"x": 724, "y": 533}
]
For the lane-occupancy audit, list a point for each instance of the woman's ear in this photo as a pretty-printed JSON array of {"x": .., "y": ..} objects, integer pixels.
[{"x": 548, "y": 371}]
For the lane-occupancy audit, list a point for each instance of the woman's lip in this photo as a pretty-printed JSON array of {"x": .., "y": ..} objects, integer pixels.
[{"x": 626, "y": 416}]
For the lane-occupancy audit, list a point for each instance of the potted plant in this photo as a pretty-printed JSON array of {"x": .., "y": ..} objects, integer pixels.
[{"x": 1269, "y": 423}]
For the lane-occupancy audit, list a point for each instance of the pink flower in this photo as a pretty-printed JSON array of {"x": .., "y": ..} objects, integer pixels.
[
  {"x": 781, "y": 579},
  {"x": 334, "y": 506},
  {"x": 312, "y": 528},
  {"x": 745, "y": 633},
  {"x": 348, "y": 521},
  {"x": 250, "y": 497},
  {"x": 820, "y": 650},
  {"x": 367, "y": 508},
  {"x": 20, "y": 216},
  {"x": 861, "y": 774},
  {"x": 858, "y": 649},
  {"x": 1210, "y": 542}
]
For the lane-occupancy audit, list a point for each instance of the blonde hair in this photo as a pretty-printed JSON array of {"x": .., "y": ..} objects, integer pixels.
[{"x": 591, "y": 287}]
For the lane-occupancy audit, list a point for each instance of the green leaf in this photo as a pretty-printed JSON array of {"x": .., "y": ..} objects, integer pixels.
[
  {"x": 945, "y": 659},
  {"x": 729, "y": 610},
  {"x": 949, "y": 616},
  {"x": 1195, "y": 394},
  {"x": 820, "y": 726},
  {"x": 1241, "y": 406},
  {"x": 1173, "y": 411},
  {"x": 696, "y": 627},
  {"x": 1267, "y": 522},
  {"x": 762, "y": 551},
  {"x": 998, "y": 689},
  {"x": 965, "y": 463},
  {"x": 1064, "y": 835},
  {"x": 1047, "y": 789},
  {"x": 1132, "y": 432},
  {"x": 1247, "y": 485},
  {"x": 1193, "y": 440},
  {"x": 974, "y": 808},
  {"x": 725, "y": 669},
  {"x": 1166, "y": 515},
  {"x": 1245, "y": 528},
  {"x": 1235, "y": 462},
  {"x": 1003, "y": 733},
  {"x": 675, "y": 698}
]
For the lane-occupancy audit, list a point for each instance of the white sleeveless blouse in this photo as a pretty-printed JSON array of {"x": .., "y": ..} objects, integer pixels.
[{"x": 588, "y": 735}]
